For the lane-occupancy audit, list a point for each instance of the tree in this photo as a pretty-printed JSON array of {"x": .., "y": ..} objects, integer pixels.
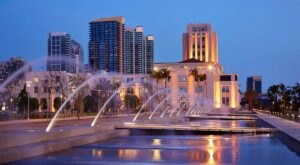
[
  {"x": 22, "y": 100},
  {"x": 43, "y": 103},
  {"x": 131, "y": 101},
  {"x": 164, "y": 74},
  {"x": 251, "y": 97},
  {"x": 198, "y": 77},
  {"x": 57, "y": 103},
  {"x": 295, "y": 95},
  {"x": 88, "y": 102},
  {"x": 157, "y": 76},
  {"x": 33, "y": 104}
]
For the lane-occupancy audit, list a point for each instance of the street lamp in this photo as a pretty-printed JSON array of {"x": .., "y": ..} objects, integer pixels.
[{"x": 28, "y": 85}]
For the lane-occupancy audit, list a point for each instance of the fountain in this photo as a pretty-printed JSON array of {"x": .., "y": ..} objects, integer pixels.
[
  {"x": 162, "y": 115},
  {"x": 108, "y": 100},
  {"x": 180, "y": 108},
  {"x": 156, "y": 93},
  {"x": 53, "y": 120},
  {"x": 158, "y": 107}
]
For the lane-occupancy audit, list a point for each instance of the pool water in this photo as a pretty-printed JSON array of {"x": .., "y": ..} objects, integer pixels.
[{"x": 176, "y": 149}]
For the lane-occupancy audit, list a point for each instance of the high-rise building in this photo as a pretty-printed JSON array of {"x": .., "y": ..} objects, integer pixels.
[
  {"x": 254, "y": 83},
  {"x": 64, "y": 53},
  {"x": 200, "y": 43},
  {"x": 134, "y": 58},
  {"x": 77, "y": 56},
  {"x": 106, "y": 43},
  {"x": 149, "y": 53},
  {"x": 138, "y": 51}
]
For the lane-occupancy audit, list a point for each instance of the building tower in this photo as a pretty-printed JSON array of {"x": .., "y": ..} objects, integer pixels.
[
  {"x": 59, "y": 51},
  {"x": 200, "y": 43},
  {"x": 134, "y": 58},
  {"x": 77, "y": 57},
  {"x": 254, "y": 83},
  {"x": 149, "y": 53},
  {"x": 106, "y": 44},
  {"x": 64, "y": 53}
]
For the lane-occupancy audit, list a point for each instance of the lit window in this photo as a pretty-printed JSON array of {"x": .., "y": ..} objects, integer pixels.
[
  {"x": 36, "y": 79},
  {"x": 182, "y": 78}
]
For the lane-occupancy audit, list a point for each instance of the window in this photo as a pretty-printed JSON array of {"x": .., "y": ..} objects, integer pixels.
[
  {"x": 199, "y": 89},
  {"x": 182, "y": 89},
  {"x": 225, "y": 89},
  {"x": 36, "y": 79},
  {"x": 129, "y": 79},
  {"x": 225, "y": 78},
  {"x": 225, "y": 101},
  {"x": 182, "y": 78},
  {"x": 36, "y": 90}
]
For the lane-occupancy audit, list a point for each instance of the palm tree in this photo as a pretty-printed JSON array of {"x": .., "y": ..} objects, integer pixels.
[
  {"x": 272, "y": 93},
  {"x": 251, "y": 96},
  {"x": 295, "y": 93},
  {"x": 198, "y": 77},
  {"x": 157, "y": 76},
  {"x": 165, "y": 74},
  {"x": 194, "y": 73}
]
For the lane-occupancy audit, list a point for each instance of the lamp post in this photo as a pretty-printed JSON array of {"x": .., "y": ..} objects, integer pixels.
[
  {"x": 11, "y": 106},
  {"x": 28, "y": 85}
]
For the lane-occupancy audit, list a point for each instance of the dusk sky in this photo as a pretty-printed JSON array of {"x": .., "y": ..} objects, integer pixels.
[{"x": 256, "y": 37}]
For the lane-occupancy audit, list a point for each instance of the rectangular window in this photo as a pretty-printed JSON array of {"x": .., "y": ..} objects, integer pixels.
[
  {"x": 199, "y": 89},
  {"x": 182, "y": 89},
  {"x": 225, "y": 101},
  {"x": 182, "y": 78},
  {"x": 36, "y": 90},
  {"x": 225, "y": 89},
  {"x": 225, "y": 78}
]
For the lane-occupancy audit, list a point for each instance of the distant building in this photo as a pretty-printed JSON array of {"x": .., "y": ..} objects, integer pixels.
[
  {"x": 149, "y": 53},
  {"x": 64, "y": 53},
  {"x": 134, "y": 50},
  {"x": 77, "y": 57},
  {"x": 138, "y": 51},
  {"x": 106, "y": 44},
  {"x": 200, "y": 43},
  {"x": 7, "y": 68},
  {"x": 254, "y": 83}
]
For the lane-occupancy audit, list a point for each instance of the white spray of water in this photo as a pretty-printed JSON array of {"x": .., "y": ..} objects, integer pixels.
[
  {"x": 107, "y": 101},
  {"x": 158, "y": 107},
  {"x": 53, "y": 120},
  {"x": 156, "y": 93}
]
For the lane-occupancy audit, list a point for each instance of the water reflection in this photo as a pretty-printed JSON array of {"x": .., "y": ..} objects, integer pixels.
[
  {"x": 97, "y": 153},
  {"x": 156, "y": 142},
  {"x": 156, "y": 155},
  {"x": 191, "y": 149},
  {"x": 127, "y": 154}
]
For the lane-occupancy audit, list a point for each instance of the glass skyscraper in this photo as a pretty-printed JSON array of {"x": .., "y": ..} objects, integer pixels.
[
  {"x": 149, "y": 53},
  {"x": 106, "y": 44},
  {"x": 64, "y": 53},
  {"x": 254, "y": 83}
]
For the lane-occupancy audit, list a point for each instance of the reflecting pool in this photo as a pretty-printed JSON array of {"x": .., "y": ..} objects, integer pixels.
[{"x": 177, "y": 149}]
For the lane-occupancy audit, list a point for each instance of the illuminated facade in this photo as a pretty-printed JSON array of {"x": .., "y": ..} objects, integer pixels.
[
  {"x": 200, "y": 43},
  {"x": 217, "y": 87}
]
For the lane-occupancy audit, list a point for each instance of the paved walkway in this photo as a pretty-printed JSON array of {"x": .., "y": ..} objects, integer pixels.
[{"x": 288, "y": 127}]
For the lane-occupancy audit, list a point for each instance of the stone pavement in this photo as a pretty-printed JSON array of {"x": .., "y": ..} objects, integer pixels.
[{"x": 290, "y": 128}]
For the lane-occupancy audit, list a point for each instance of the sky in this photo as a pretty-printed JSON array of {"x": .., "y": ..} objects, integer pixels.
[{"x": 256, "y": 37}]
